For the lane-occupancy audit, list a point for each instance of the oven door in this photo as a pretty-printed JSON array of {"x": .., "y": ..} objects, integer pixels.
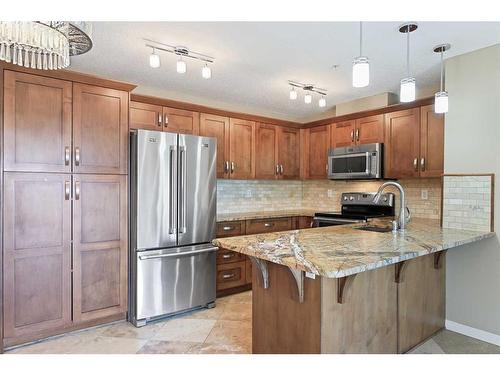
[
  {"x": 319, "y": 221},
  {"x": 347, "y": 166}
]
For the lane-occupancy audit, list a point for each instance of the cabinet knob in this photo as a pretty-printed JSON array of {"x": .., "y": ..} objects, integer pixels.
[
  {"x": 232, "y": 167},
  {"x": 77, "y": 190},
  {"x": 66, "y": 155},
  {"x": 415, "y": 164},
  {"x": 159, "y": 119},
  {"x": 227, "y": 228},
  {"x": 281, "y": 169},
  {"x": 227, "y": 256},
  {"x": 228, "y": 275},
  {"x": 357, "y": 135},
  {"x": 67, "y": 190},
  {"x": 422, "y": 164},
  {"x": 77, "y": 155},
  {"x": 268, "y": 225}
]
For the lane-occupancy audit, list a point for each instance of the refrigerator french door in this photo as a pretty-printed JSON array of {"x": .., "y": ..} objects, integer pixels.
[{"x": 173, "y": 209}]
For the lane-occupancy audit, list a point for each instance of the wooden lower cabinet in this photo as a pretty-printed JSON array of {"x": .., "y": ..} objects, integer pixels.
[
  {"x": 37, "y": 255},
  {"x": 421, "y": 300},
  {"x": 99, "y": 246},
  {"x": 256, "y": 226}
]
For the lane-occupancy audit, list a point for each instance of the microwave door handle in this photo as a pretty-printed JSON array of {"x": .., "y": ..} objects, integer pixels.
[
  {"x": 173, "y": 192},
  {"x": 183, "y": 188}
]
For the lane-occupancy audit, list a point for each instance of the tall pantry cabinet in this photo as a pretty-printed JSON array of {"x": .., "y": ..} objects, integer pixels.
[{"x": 64, "y": 204}]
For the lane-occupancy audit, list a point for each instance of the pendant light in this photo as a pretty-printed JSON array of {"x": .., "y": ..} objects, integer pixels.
[
  {"x": 322, "y": 102},
  {"x": 293, "y": 94},
  {"x": 441, "y": 97},
  {"x": 181, "y": 66},
  {"x": 206, "y": 72},
  {"x": 360, "y": 65},
  {"x": 154, "y": 60},
  {"x": 407, "y": 88},
  {"x": 307, "y": 98}
]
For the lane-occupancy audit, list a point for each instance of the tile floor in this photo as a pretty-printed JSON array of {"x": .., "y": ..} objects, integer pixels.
[{"x": 227, "y": 328}]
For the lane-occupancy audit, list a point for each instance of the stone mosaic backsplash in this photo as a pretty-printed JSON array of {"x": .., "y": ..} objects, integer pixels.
[
  {"x": 318, "y": 195},
  {"x": 467, "y": 202}
]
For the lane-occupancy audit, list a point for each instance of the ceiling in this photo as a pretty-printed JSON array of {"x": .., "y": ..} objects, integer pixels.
[{"x": 254, "y": 60}]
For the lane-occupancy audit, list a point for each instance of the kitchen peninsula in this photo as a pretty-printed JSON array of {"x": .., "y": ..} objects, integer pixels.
[{"x": 341, "y": 289}]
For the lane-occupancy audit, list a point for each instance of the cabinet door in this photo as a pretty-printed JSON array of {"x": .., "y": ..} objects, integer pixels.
[
  {"x": 288, "y": 153},
  {"x": 242, "y": 149},
  {"x": 318, "y": 143},
  {"x": 402, "y": 143},
  {"x": 146, "y": 116},
  {"x": 181, "y": 121},
  {"x": 343, "y": 134},
  {"x": 217, "y": 127},
  {"x": 37, "y": 123},
  {"x": 431, "y": 142},
  {"x": 369, "y": 130},
  {"x": 37, "y": 253},
  {"x": 100, "y": 130},
  {"x": 99, "y": 246},
  {"x": 266, "y": 159}
]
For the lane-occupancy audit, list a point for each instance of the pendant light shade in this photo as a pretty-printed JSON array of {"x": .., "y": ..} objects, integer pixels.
[
  {"x": 206, "y": 72},
  {"x": 441, "y": 97},
  {"x": 360, "y": 65},
  {"x": 441, "y": 102},
  {"x": 407, "y": 86},
  {"x": 407, "y": 90},
  {"x": 307, "y": 98},
  {"x": 360, "y": 72},
  {"x": 293, "y": 94},
  {"x": 181, "y": 66},
  {"x": 154, "y": 60},
  {"x": 322, "y": 102}
]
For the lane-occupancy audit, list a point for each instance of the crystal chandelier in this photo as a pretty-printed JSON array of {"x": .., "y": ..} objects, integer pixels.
[{"x": 45, "y": 45}]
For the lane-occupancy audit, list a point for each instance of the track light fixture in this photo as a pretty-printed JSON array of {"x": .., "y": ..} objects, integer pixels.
[
  {"x": 182, "y": 54},
  {"x": 309, "y": 90}
]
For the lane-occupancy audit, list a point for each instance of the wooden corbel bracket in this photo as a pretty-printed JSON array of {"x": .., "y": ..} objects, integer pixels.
[{"x": 343, "y": 284}]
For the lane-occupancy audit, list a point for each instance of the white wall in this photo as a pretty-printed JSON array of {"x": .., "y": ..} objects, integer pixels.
[{"x": 472, "y": 145}]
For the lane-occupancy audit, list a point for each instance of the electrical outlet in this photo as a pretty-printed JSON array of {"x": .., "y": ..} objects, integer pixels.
[
  {"x": 424, "y": 194},
  {"x": 248, "y": 194},
  {"x": 331, "y": 193}
]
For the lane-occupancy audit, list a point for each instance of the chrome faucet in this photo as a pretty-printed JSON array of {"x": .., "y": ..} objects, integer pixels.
[{"x": 404, "y": 213}]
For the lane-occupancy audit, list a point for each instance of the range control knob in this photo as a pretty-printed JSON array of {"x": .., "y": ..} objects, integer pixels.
[
  {"x": 351, "y": 198},
  {"x": 385, "y": 199},
  {"x": 345, "y": 198}
]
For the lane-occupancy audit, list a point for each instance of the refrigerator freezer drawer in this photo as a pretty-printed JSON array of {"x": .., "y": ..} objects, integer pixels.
[{"x": 173, "y": 280}]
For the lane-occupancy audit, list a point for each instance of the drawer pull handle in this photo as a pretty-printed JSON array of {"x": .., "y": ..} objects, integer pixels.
[
  {"x": 268, "y": 225},
  {"x": 228, "y": 276},
  {"x": 227, "y": 228},
  {"x": 227, "y": 256}
]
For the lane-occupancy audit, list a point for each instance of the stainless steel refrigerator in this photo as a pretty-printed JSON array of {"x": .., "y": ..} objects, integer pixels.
[{"x": 172, "y": 219}]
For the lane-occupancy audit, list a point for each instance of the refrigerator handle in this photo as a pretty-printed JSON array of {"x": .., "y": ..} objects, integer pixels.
[
  {"x": 173, "y": 189},
  {"x": 183, "y": 189}
]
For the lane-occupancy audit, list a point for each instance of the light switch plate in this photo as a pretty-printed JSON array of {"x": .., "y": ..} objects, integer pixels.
[{"x": 424, "y": 194}]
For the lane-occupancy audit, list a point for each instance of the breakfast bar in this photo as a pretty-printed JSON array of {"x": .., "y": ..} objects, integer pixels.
[{"x": 348, "y": 289}]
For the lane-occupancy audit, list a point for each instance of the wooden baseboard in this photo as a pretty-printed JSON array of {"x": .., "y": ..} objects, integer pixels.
[
  {"x": 9, "y": 343},
  {"x": 238, "y": 289}
]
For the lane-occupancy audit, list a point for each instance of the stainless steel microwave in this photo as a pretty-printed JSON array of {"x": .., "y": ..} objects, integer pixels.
[{"x": 356, "y": 162}]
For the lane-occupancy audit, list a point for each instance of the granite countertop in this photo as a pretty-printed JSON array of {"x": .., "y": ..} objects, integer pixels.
[
  {"x": 233, "y": 216},
  {"x": 340, "y": 251}
]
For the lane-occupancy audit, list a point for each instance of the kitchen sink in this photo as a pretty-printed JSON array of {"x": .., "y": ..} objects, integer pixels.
[{"x": 373, "y": 228}]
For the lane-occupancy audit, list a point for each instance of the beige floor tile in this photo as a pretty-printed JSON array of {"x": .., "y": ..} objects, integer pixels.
[
  {"x": 109, "y": 345},
  {"x": 128, "y": 330},
  {"x": 166, "y": 347},
  {"x": 213, "y": 313},
  {"x": 237, "y": 311},
  {"x": 210, "y": 348},
  {"x": 428, "y": 347},
  {"x": 243, "y": 297},
  {"x": 455, "y": 343},
  {"x": 182, "y": 329},
  {"x": 237, "y": 334},
  {"x": 63, "y": 344}
]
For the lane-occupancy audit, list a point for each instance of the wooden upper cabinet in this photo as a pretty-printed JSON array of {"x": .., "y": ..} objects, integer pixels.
[
  {"x": 266, "y": 159},
  {"x": 99, "y": 246},
  {"x": 402, "y": 143},
  {"x": 217, "y": 127},
  {"x": 289, "y": 152},
  {"x": 431, "y": 162},
  {"x": 146, "y": 116},
  {"x": 369, "y": 130},
  {"x": 181, "y": 121},
  {"x": 317, "y": 142},
  {"x": 242, "y": 149},
  {"x": 37, "y": 254},
  {"x": 37, "y": 123},
  {"x": 100, "y": 130},
  {"x": 342, "y": 134}
]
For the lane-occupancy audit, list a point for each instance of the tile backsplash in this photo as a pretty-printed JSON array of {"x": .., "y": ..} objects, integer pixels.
[
  {"x": 467, "y": 202},
  {"x": 321, "y": 195}
]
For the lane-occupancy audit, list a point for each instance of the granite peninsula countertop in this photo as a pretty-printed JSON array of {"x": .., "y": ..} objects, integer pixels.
[
  {"x": 340, "y": 251},
  {"x": 233, "y": 216}
]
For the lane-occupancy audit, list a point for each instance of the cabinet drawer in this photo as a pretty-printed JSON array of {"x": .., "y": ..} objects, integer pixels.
[
  {"x": 268, "y": 225},
  {"x": 230, "y": 228},
  {"x": 231, "y": 275},
  {"x": 228, "y": 256}
]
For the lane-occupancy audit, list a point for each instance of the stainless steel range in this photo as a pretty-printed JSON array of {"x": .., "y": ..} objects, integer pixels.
[
  {"x": 172, "y": 219},
  {"x": 356, "y": 208}
]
